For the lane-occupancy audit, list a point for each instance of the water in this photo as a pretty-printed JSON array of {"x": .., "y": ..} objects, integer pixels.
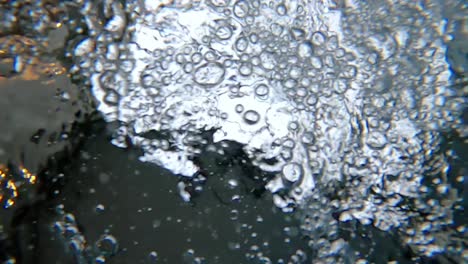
[{"x": 341, "y": 109}]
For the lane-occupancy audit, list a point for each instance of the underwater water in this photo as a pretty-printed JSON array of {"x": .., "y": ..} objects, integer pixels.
[{"x": 233, "y": 131}]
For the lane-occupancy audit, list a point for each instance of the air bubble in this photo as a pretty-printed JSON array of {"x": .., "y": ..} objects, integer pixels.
[
  {"x": 241, "y": 44},
  {"x": 233, "y": 183},
  {"x": 210, "y": 56},
  {"x": 332, "y": 43},
  {"x": 153, "y": 256},
  {"x": 305, "y": 50},
  {"x": 316, "y": 62},
  {"x": 297, "y": 33},
  {"x": 255, "y": 61},
  {"x": 251, "y": 117},
  {"x": 180, "y": 58},
  {"x": 228, "y": 63},
  {"x": 209, "y": 74},
  {"x": 157, "y": 54},
  {"x": 107, "y": 245},
  {"x": 249, "y": 20},
  {"x": 276, "y": 29},
  {"x": 77, "y": 244},
  {"x": 293, "y": 126},
  {"x": 253, "y": 38},
  {"x": 107, "y": 79},
  {"x": 224, "y": 32},
  {"x": 373, "y": 58},
  {"x": 295, "y": 72},
  {"x": 234, "y": 246},
  {"x": 239, "y": 108},
  {"x": 301, "y": 92},
  {"x": 69, "y": 219},
  {"x": 188, "y": 67},
  {"x": 349, "y": 72},
  {"x": 170, "y": 51},
  {"x": 245, "y": 57},
  {"x": 241, "y": 9},
  {"x": 234, "y": 214},
  {"x": 329, "y": 61},
  {"x": 290, "y": 83},
  {"x": 308, "y": 138},
  {"x": 281, "y": 10},
  {"x": 340, "y": 53},
  {"x": 100, "y": 208},
  {"x": 127, "y": 65},
  {"x": 318, "y": 38},
  {"x": 245, "y": 69},
  {"x": 206, "y": 40},
  {"x": 147, "y": 80},
  {"x": 262, "y": 91},
  {"x": 287, "y": 154},
  {"x": 268, "y": 60},
  {"x": 112, "y": 97},
  {"x": 187, "y": 50},
  {"x": 339, "y": 85},
  {"x": 289, "y": 143},
  {"x": 196, "y": 57}
]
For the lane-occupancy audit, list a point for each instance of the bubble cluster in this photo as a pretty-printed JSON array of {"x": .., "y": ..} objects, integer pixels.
[
  {"x": 66, "y": 228},
  {"x": 15, "y": 182},
  {"x": 345, "y": 102}
]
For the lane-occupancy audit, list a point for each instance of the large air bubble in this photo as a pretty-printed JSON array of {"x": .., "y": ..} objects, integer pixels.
[{"x": 209, "y": 74}]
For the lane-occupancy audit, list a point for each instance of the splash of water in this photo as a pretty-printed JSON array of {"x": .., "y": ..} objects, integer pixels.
[{"x": 345, "y": 101}]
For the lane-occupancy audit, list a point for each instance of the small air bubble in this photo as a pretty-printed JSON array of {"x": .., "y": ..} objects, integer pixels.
[
  {"x": 262, "y": 91},
  {"x": 107, "y": 245},
  {"x": 239, "y": 108},
  {"x": 251, "y": 117},
  {"x": 153, "y": 256},
  {"x": 224, "y": 32},
  {"x": 241, "y": 44},
  {"x": 253, "y": 38},
  {"x": 241, "y": 8},
  {"x": 332, "y": 43},
  {"x": 349, "y": 72},
  {"x": 233, "y": 183},
  {"x": 292, "y": 172},
  {"x": 339, "y": 85},
  {"x": 245, "y": 69},
  {"x": 100, "y": 208},
  {"x": 305, "y": 50},
  {"x": 318, "y": 38},
  {"x": 196, "y": 58},
  {"x": 281, "y": 10},
  {"x": 209, "y": 74},
  {"x": 293, "y": 126},
  {"x": 268, "y": 60},
  {"x": 234, "y": 214}
]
